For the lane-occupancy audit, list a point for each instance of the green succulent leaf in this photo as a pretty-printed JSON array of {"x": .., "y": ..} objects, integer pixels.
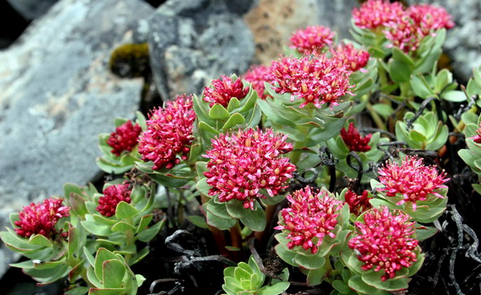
[
  {"x": 218, "y": 112},
  {"x": 310, "y": 261},
  {"x": 125, "y": 211},
  {"x": 113, "y": 273},
  {"x": 102, "y": 256},
  {"x": 219, "y": 222},
  {"x": 454, "y": 96},
  {"x": 400, "y": 72},
  {"x": 235, "y": 119},
  {"x": 148, "y": 234},
  {"x": 254, "y": 219},
  {"x": 106, "y": 291}
]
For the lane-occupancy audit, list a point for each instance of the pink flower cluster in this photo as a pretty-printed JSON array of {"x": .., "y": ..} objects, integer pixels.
[
  {"x": 223, "y": 90},
  {"x": 375, "y": 14},
  {"x": 354, "y": 58},
  {"x": 169, "y": 133},
  {"x": 41, "y": 218},
  {"x": 257, "y": 75},
  {"x": 411, "y": 179},
  {"x": 317, "y": 80},
  {"x": 312, "y": 39},
  {"x": 113, "y": 195},
  {"x": 309, "y": 218},
  {"x": 357, "y": 203},
  {"x": 245, "y": 163},
  {"x": 385, "y": 241},
  {"x": 405, "y": 28},
  {"x": 353, "y": 139},
  {"x": 429, "y": 18},
  {"x": 124, "y": 138}
]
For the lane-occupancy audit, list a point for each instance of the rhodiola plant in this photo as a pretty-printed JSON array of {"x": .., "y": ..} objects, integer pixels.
[{"x": 335, "y": 156}]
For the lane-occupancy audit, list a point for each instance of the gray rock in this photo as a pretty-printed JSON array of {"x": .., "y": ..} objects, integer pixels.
[
  {"x": 463, "y": 42},
  {"x": 32, "y": 9},
  {"x": 192, "y": 42},
  {"x": 274, "y": 21},
  {"x": 58, "y": 95}
]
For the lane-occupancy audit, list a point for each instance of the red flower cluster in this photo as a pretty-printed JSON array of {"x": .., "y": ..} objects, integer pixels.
[
  {"x": 412, "y": 179},
  {"x": 124, "y": 138},
  {"x": 113, "y": 195},
  {"x": 354, "y": 58},
  {"x": 311, "y": 216},
  {"x": 246, "y": 162},
  {"x": 223, "y": 90},
  {"x": 404, "y": 28},
  {"x": 357, "y": 203},
  {"x": 257, "y": 75},
  {"x": 385, "y": 241},
  {"x": 312, "y": 39},
  {"x": 315, "y": 80},
  {"x": 353, "y": 139},
  {"x": 169, "y": 133},
  {"x": 41, "y": 218}
]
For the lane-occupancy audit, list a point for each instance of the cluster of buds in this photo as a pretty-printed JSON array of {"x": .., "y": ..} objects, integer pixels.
[
  {"x": 312, "y": 39},
  {"x": 354, "y": 58},
  {"x": 357, "y": 203},
  {"x": 314, "y": 80},
  {"x": 310, "y": 216},
  {"x": 412, "y": 180},
  {"x": 374, "y": 14},
  {"x": 113, "y": 195},
  {"x": 353, "y": 139},
  {"x": 41, "y": 218},
  {"x": 169, "y": 133},
  {"x": 404, "y": 28},
  {"x": 385, "y": 241},
  {"x": 223, "y": 89},
  {"x": 124, "y": 138},
  {"x": 245, "y": 163}
]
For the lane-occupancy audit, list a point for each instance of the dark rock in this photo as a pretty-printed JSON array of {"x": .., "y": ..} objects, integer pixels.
[
  {"x": 192, "y": 42},
  {"x": 463, "y": 42},
  {"x": 12, "y": 24},
  {"x": 58, "y": 95},
  {"x": 32, "y": 9}
]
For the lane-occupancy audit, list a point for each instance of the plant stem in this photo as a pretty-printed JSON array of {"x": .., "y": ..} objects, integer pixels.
[{"x": 375, "y": 117}]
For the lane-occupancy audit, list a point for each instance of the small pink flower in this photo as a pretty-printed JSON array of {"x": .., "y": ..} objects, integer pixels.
[
  {"x": 310, "y": 216},
  {"x": 384, "y": 241},
  {"x": 357, "y": 203},
  {"x": 113, "y": 195},
  {"x": 375, "y": 14},
  {"x": 169, "y": 133},
  {"x": 312, "y": 39},
  {"x": 257, "y": 75},
  {"x": 244, "y": 163},
  {"x": 124, "y": 138},
  {"x": 353, "y": 139},
  {"x": 354, "y": 58},
  {"x": 223, "y": 90},
  {"x": 317, "y": 80},
  {"x": 429, "y": 18},
  {"x": 41, "y": 218},
  {"x": 412, "y": 179}
]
